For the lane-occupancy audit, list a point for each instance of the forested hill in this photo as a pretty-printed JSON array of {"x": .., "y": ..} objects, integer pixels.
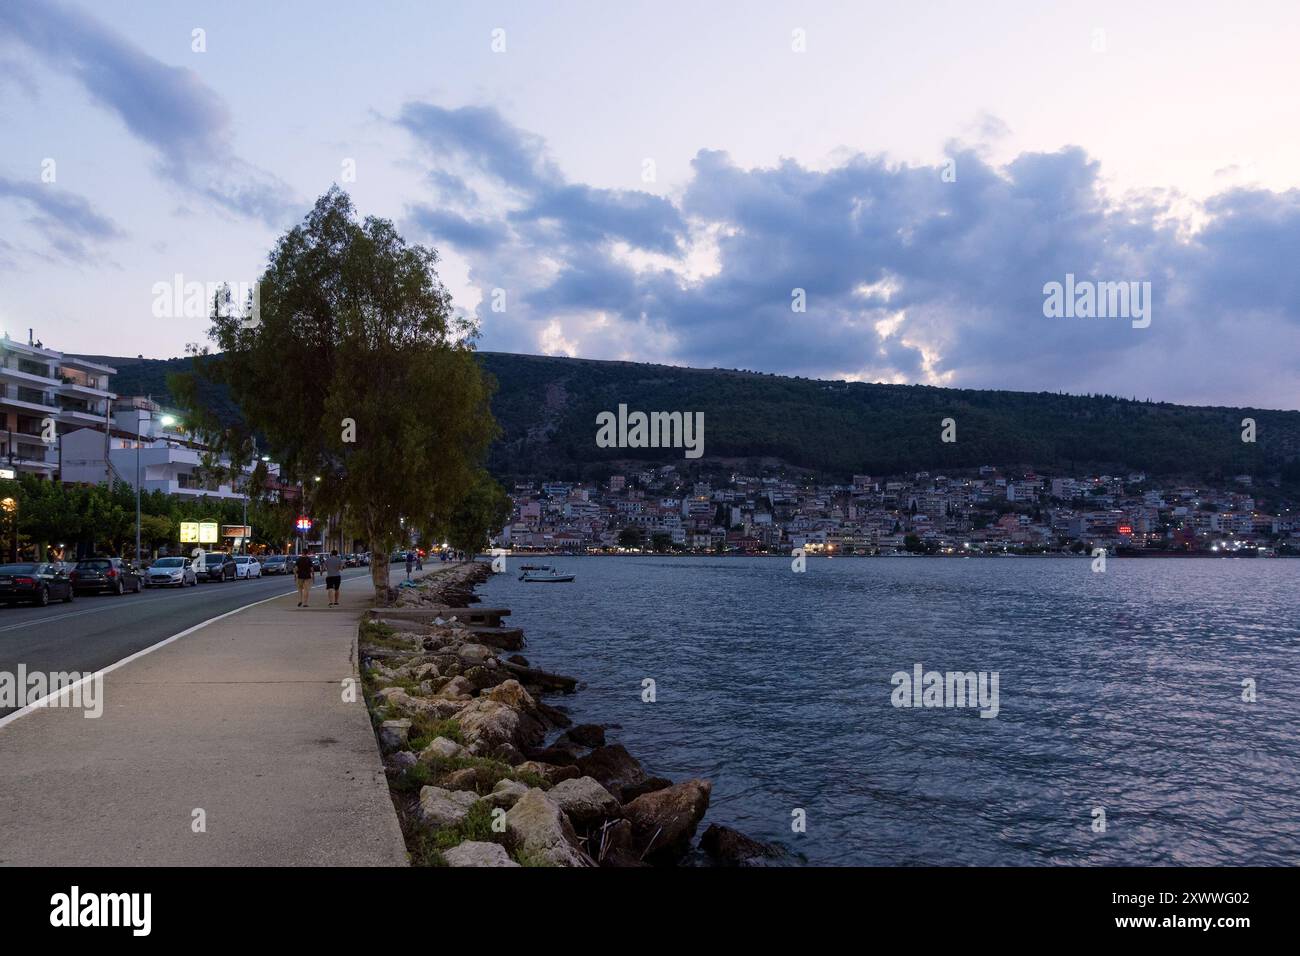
[{"x": 547, "y": 408}]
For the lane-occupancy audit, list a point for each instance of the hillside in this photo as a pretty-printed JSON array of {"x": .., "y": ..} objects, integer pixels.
[{"x": 547, "y": 408}]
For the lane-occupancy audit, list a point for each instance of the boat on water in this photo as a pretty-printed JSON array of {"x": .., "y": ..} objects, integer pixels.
[{"x": 545, "y": 577}]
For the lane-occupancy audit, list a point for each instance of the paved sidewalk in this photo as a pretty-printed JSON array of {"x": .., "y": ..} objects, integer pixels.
[{"x": 244, "y": 718}]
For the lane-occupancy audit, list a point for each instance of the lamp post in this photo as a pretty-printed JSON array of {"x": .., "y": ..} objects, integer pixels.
[{"x": 165, "y": 421}]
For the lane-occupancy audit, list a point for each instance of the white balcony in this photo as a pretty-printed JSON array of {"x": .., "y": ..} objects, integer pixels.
[
  {"x": 76, "y": 390},
  {"x": 20, "y": 377}
]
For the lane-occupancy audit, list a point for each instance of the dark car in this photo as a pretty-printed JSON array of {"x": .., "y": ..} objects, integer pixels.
[
  {"x": 277, "y": 564},
  {"x": 105, "y": 574},
  {"x": 34, "y": 584},
  {"x": 218, "y": 566}
]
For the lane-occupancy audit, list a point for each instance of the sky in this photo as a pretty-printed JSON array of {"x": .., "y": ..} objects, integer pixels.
[{"x": 875, "y": 192}]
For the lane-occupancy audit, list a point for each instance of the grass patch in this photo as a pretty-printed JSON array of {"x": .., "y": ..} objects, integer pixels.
[
  {"x": 427, "y": 846},
  {"x": 377, "y": 634},
  {"x": 426, "y": 727}
]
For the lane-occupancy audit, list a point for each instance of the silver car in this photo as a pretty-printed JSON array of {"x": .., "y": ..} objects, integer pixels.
[{"x": 171, "y": 572}]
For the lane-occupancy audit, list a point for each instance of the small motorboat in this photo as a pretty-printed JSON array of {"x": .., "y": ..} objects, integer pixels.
[{"x": 546, "y": 577}]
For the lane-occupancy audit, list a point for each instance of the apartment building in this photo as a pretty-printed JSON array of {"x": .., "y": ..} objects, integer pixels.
[{"x": 44, "y": 395}]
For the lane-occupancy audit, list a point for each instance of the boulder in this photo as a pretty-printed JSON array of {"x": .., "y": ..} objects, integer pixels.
[
  {"x": 457, "y": 688},
  {"x": 476, "y": 853},
  {"x": 584, "y": 801},
  {"x": 444, "y": 808},
  {"x": 551, "y": 773},
  {"x": 583, "y": 735},
  {"x": 471, "y": 654},
  {"x": 730, "y": 847},
  {"x": 559, "y": 756},
  {"x": 648, "y": 785},
  {"x": 502, "y": 716},
  {"x": 399, "y": 701},
  {"x": 512, "y": 693},
  {"x": 613, "y": 845},
  {"x": 393, "y": 734},
  {"x": 469, "y": 778},
  {"x": 538, "y": 829},
  {"x": 442, "y": 747},
  {"x": 665, "y": 821},
  {"x": 613, "y": 768},
  {"x": 507, "y": 793},
  {"x": 403, "y": 759}
]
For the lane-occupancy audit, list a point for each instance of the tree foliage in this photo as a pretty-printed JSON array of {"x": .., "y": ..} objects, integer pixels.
[{"x": 356, "y": 374}]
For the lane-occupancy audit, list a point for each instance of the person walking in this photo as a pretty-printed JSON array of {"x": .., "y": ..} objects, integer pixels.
[
  {"x": 410, "y": 563},
  {"x": 333, "y": 577},
  {"x": 305, "y": 572}
]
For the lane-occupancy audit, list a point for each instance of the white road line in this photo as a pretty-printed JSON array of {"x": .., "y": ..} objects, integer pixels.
[{"x": 24, "y": 711}]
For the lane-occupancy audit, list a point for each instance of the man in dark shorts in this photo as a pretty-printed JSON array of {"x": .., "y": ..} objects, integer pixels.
[
  {"x": 333, "y": 577},
  {"x": 304, "y": 572}
]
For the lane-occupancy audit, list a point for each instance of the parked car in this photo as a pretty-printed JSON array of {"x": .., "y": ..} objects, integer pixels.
[
  {"x": 171, "y": 572},
  {"x": 37, "y": 583},
  {"x": 247, "y": 567},
  {"x": 218, "y": 566},
  {"x": 114, "y": 575},
  {"x": 277, "y": 564}
]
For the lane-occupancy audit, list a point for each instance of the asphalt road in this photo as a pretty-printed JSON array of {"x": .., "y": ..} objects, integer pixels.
[{"x": 95, "y": 631}]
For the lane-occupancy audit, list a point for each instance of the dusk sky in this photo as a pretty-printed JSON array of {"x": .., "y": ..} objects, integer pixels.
[{"x": 651, "y": 183}]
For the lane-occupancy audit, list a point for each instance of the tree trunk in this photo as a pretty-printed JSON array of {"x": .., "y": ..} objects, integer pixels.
[{"x": 379, "y": 567}]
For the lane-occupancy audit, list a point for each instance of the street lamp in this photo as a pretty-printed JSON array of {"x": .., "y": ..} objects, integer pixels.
[{"x": 165, "y": 421}]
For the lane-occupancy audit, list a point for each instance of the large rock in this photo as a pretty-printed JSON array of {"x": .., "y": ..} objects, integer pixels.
[
  {"x": 730, "y": 847},
  {"x": 549, "y": 772},
  {"x": 503, "y": 716},
  {"x": 584, "y": 801},
  {"x": 441, "y": 747},
  {"x": 507, "y": 793},
  {"x": 399, "y": 701},
  {"x": 474, "y": 653},
  {"x": 444, "y": 808},
  {"x": 457, "y": 688},
  {"x": 512, "y": 694},
  {"x": 665, "y": 821},
  {"x": 583, "y": 735},
  {"x": 613, "y": 768},
  {"x": 393, "y": 734},
  {"x": 615, "y": 845},
  {"x": 475, "y": 853},
  {"x": 538, "y": 829}
]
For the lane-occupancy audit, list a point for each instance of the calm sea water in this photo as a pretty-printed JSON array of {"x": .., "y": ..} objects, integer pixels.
[{"x": 1120, "y": 690}]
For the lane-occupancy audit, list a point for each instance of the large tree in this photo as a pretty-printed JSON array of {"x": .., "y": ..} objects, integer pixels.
[{"x": 355, "y": 375}]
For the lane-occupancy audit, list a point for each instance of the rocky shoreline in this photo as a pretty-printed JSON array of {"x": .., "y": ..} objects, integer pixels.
[{"x": 484, "y": 772}]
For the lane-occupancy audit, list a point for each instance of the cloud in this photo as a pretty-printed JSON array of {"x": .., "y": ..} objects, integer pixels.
[
  {"x": 69, "y": 223},
  {"x": 908, "y": 275},
  {"x": 168, "y": 108}
]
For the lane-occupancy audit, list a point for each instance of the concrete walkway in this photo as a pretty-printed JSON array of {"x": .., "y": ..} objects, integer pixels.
[{"x": 243, "y": 719}]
